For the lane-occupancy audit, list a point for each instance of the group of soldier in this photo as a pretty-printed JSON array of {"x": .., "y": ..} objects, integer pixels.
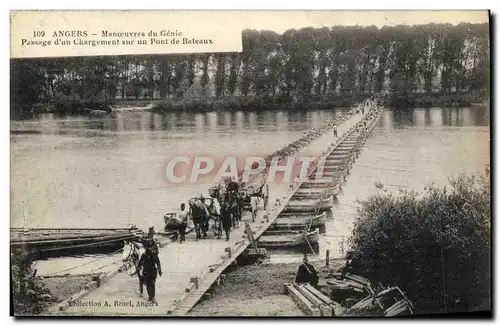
[{"x": 224, "y": 209}]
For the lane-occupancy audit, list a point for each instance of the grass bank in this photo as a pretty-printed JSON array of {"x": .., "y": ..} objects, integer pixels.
[{"x": 62, "y": 287}]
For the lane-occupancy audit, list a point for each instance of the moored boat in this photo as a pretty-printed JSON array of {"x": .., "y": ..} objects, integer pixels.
[
  {"x": 298, "y": 220},
  {"x": 337, "y": 161},
  {"x": 316, "y": 184},
  {"x": 335, "y": 174},
  {"x": 279, "y": 239},
  {"x": 314, "y": 193},
  {"x": 309, "y": 205},
  {"x": 337, "y": 167}
]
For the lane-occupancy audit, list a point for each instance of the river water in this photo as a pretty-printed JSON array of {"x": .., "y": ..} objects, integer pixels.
[{"x": 110, "y": 171}]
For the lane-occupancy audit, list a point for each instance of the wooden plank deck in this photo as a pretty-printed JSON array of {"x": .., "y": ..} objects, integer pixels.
[{"x": 205, "y": 259}]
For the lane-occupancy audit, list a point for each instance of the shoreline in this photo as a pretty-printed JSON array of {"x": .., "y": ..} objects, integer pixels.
[{"x": 233, "y": 103}]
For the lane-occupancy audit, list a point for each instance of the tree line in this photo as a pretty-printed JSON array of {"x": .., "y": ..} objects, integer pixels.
[{"x": 299, "y": 66}]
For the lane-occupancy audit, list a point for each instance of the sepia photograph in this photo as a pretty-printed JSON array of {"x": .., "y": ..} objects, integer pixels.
[{"x": 305, "y": 164}]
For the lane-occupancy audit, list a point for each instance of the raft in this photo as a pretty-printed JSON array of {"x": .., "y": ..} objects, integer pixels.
[
  {"x": 70, "y": 238},
  {"x": 279, "y": 239}
]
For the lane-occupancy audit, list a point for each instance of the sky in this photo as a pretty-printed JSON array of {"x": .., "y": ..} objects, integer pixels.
[{"x": 280, "y": 21}]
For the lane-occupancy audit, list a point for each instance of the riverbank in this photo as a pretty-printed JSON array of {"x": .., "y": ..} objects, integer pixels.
[
  {"x": 235, "y": 103},
  {"x": 428, "y": 100},
  {"x": 256, "y": 290}
]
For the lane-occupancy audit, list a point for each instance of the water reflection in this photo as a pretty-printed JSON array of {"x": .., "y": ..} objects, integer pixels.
[
  {"x": 158, "y": 122},
  {"x": 199, "y": 123},
  {"x": 172, "y": 121},
  {"x": 240, "y": 120},
  {"x": 212, "y": 118},
  {"x": 227, "y": 120},
  {"x": 427, "y": 117},
  {"x": 122, "y": 122},
  {"x": 252, "y": 120}
]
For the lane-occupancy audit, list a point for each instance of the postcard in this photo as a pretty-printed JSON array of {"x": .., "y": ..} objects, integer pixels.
[{"x": 250, "y": 163}]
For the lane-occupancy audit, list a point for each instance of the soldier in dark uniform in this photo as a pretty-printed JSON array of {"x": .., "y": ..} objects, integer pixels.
[
  {"x": 206, "y": 218},
  {"x": 226, "y": 217},
  {"x": 150, "y": 264},
  {"x": 150, "y": 241},
  {"x": 199, "y": 213}
]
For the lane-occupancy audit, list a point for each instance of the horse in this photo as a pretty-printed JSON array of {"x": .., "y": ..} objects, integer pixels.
[
  {"x": 234, "y": 204},
  {"x": 132, "y": 253},
  {"x": 262, "y": 193},
  {"x": 200, "y": 215}
]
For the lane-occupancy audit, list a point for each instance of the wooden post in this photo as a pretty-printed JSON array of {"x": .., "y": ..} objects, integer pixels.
[
  {"x": 228, "y": 250},
  {"x": 327, "y": 257}
]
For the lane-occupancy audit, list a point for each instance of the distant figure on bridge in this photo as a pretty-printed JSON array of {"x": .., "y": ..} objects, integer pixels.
[
  {"x": 206, "y": 220},
  {"x": 150, "y": 265},
  {"x": 253, "y": 203},
  {"x": 226, "y": 216},
  {"x": 182, "y": 215},
  {"x": 335, "y": 131},
  {"x": 306, "y": 273},
  {"x": 151, "y": 232}
]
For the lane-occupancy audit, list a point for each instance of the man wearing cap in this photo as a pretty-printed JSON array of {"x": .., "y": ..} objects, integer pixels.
[
  {"x": 151, "y": 267},
  {"x": 151, "y": 242}
]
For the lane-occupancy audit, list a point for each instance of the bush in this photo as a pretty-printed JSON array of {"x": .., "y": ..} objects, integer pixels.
[
  {"x": 435, "y": 245},
  {"x": 29, "y": 294},
  {"x": 74, "y": 104}
]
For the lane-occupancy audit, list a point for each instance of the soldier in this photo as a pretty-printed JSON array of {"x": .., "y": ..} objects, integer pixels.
[
  {"x": 151, "y": 232},
  {"x": 206, "y": 219},
  {"x": 150, "y": 264},
  {"x": 151, "y": 238},
  {"x": 253, "y": 204},
  {"x": 182, "y": 214},
  {"x": 226, "y": 217}
]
